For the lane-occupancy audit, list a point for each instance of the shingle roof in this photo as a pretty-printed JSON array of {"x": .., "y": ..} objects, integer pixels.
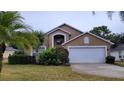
[
  {"x": 90, "y": 34},
  {"x": 62, "y": 25},
  {"x": 118, "y": 48},
  {"x": 59, "y": 29}
]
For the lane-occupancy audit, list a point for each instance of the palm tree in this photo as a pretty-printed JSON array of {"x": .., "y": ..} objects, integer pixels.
[
  {"x": 110, "y": 13},
  {"x": 40, "y": 36},
  {"x": 10, "y": 25},
  {"x": 31, "y": 41},
  {"x": 121, "y": 14},
  {"x": 115, "y": 37}
]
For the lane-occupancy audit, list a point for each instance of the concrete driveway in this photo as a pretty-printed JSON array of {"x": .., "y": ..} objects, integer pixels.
[{"x": 106, "y": 70}]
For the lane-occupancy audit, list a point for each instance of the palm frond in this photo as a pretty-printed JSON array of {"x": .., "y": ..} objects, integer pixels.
[
  {"x": 93, "y": 12},
  {"x": 110, "y": 13},
  {"x": 122, "y": 15},
  {"x": 10, "y": 25}
]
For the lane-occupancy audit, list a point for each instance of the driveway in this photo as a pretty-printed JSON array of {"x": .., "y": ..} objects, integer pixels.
[{"x": 106, "y": 70}]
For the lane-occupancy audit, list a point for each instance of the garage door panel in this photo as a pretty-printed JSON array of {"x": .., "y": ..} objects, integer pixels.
[{"x": 87, "y": 54}]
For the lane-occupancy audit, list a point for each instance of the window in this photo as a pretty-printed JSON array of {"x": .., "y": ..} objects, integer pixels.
[
  {"x": 119, "y": 56},
  {"x": 86, "y": 40},
  {"x": 59, "y": 39}
]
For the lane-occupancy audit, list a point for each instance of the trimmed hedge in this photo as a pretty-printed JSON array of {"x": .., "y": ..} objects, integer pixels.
[
  {"x": 21, "y": 59},
  {"x": 54, "y": 56},
  {"x": 1, "y": 58},
  {"x": 110, "y": 59}
]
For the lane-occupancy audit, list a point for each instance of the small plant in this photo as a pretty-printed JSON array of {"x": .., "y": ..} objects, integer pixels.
[{"x": 110, "y": 59}]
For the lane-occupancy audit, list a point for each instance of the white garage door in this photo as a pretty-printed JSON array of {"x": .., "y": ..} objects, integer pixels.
[{"x": 87, "y": 54}]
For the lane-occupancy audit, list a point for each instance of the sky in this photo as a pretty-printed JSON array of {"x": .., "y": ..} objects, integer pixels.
[{"x": 82, "y": 20}]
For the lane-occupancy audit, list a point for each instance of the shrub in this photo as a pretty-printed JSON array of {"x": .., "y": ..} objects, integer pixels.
[
  {"x": 54, "y": 56},
  {"x": 110, "y": 59},
  {"x": 21, "y": 59},
  {"x": 62, "y": 54},
  {"x": 1, "y": 58},
  {"x": 48, "y": 57}
]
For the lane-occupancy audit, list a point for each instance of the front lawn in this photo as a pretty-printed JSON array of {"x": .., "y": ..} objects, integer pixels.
[
  {"x": 39, "y": 72},
  {"x": 120, "y": 63}
]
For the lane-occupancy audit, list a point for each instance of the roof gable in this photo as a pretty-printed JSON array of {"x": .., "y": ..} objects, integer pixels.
[
  {"x": 90, "y": 34},
  {"x": 59, "y": 27},
  {"x": 60, "y": 30},
  {"x": 64, "y": 24}
]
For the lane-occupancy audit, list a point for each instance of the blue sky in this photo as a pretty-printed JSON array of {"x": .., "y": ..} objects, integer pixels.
[{"x": 82, "y": 20}]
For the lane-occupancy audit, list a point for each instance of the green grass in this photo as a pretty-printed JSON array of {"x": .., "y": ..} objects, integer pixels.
[
  {"x": 120, "y": 63},
  {"x": 44, "y": 73}
]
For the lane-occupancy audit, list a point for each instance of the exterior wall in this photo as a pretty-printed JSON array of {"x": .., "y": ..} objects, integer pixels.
[
  {"x": 116, "y": 55},
  {"x": 94, "y": 41},
  {"x": 7, "y": 53},
  {"x": 122, "y": 54},
  {"x": 46, "y": 41},
  {"x": 73, "y": 32},
  {"x": 49, "y": 39}
]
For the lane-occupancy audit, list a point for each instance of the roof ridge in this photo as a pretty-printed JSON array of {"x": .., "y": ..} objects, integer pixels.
[
  {"x": 62, "y": 25},
  {"x": 59, "y": 29}
]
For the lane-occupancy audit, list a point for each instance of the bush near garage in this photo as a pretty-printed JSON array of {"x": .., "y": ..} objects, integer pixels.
[
  {"x": 48, "y": 57},
  {"x": 62, "y": 54},
  {"x": 54, "y": 56},
  {"x": 110, "y": 59},
  {"x": 21, "y": 58}
]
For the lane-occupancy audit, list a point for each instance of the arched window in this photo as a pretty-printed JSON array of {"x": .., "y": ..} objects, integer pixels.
[
  {"x": 86, "y": 40},
  {"x": 58, "y": 39}
]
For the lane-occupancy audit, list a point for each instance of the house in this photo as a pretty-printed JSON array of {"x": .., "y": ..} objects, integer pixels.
[
  {"x": 82, "y": 47},
  {"x": 39, "y": 50},
  {"x": 118, "y": 52},
  {"x": 9, "y": 51}
]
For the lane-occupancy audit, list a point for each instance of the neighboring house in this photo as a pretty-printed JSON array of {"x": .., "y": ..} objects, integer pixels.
[
  {"x": 40, "y": 50},
  {"x": 82, "y": 47},
  {"x": 9, "y": 51},
  {"x": 118, "y": 52}
]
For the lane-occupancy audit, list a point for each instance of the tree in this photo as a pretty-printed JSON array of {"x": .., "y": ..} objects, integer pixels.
[
  {"x": 40, "y": 36},
  {"x": 10, "y": 24},
  {"x": 110, "y": 13},
  {"x": 122, "y": 38},
  {"x": 101, "y": 31},
  {"x": 121, "y": 14},
  {"x": 104, "y": 32},
  {"x": 115, "y": 38},
  {"x": 30, "y": 39}
]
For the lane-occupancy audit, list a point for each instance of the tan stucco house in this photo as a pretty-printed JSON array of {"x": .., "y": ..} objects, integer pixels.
[
  {"x": 82, "y": 47},
  {"x": 9, "y": 51}
]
